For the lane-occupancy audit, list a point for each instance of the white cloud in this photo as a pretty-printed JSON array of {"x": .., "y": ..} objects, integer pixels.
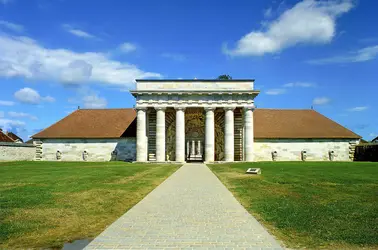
[
  {"x": 268, "y": 12},
  {"x": 308, "y": 22},
  {"x": 78, "y": 32},
  {"x": 321, "y": 101},
  {"x": 373, "y": 135},
  {"x": 275, "y": 91},
  {"x": 362, "y": 55},
  {"x": 358, "y": 109},
  {"x": 127, "y": 47},
  {"x": 31, "y": 96},
  {"x": 7, "y": 124},
  {"x": 1, "y": 114},
  {"x": 299, "y": 84},
  {"x": 11, "y": 26},
  {"x": 94, "y": 102},
  {"x": 24, "y": 57},
  {"x": 22, "y": 115},
  {"x": 6, "y": 103},
  {"x": 174, "y": 56}
]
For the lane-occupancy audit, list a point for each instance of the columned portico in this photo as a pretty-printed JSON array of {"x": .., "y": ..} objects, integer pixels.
[{"x": 207, "y": 132}]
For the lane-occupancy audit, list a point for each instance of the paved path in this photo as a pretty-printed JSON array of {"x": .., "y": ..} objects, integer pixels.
[{"x": 192, "y": 209}]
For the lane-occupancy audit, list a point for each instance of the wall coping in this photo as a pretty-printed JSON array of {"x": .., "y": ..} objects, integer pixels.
[{"x": 14, "y": 144}]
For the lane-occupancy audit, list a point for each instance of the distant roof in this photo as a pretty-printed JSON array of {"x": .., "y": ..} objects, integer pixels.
[
  {"x": 4, "y": 137},
  {"x": 195, "y": 80},
  {"x": 14, "y": 136},
  {"x": 268, "y": 124},
  {"x": 92, "y": 123},
  {"x": 298, "y": 124},
  {"x": 375, "y": 139}
]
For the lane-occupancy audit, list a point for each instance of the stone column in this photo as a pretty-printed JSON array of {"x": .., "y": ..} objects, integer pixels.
[
  {"x": 141, "y": 135},
  {"x": 229, "y": 134},
  {"x": 193, "y": 149},
  {"x": 209, "y": 135},
  {"x": 180, "y": 134},
  {"x": 199, "y": 148},
  {"x": 249, "y": 133},
  {"x": 160, "y": 134}
]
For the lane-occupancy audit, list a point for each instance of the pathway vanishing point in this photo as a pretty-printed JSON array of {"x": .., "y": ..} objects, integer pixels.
[{"x": 191, "y": 209}]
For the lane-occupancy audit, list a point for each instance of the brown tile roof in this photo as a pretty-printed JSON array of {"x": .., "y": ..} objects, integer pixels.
[
  {"x": 282, "y": 123},
  {"x": 268, "y": 124},
  {"x": 5, "y": 138},
  {"x": 14, "y": 136},
  {"x": 92, "y": 123}
]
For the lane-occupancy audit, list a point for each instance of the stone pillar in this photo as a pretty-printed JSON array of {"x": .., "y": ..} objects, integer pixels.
[
  {"x": 199, "y": 148},
  {"x": 249, "y": 133},
  {"x": 141, "y": 135},
  {"x": 187, "y": 148},
  {"x": 209, "y": 135},
  {"x": 160, "y": 134},
  {"x": 180, "y": 134},
  {"x": 193, "y": 149},
  {"x": 229, "y": 134}
]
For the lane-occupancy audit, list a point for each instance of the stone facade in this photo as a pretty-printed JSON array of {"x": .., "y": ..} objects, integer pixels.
[
  {"x": 123, "y": 149},
  {"x": 16, "y": 152},
  {"x": 316, "y": 149}
]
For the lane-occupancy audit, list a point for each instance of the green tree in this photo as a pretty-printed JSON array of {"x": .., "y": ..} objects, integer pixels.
[{"x": 224, "y": 77}]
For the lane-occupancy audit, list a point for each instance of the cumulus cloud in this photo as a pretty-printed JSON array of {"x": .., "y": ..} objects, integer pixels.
[
  {"x": 77, "y": 32},
  {"x": 11, "y": 26},
  {"x": 21, "y": 115},
  {"x": 127, "y": 47},
  {"x": 94, "y": 102},
  {"x": 358, "y": 109},
  {"x": 299, "y": 84},
  {"x": 25, "y": 57},
  {"x": 361, "y": 55},
  {"x": 8, "y": 124},
  {"x": 321, "y": 101},
  {"x": 31, "y": 96},
  {"x": 275, "y": 91},
  {"x": 308, "y": 22},
  {"x": 6, "y": 103}
]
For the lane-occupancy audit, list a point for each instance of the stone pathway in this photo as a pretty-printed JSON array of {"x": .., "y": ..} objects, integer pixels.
[{"x": 192, "y": 209}]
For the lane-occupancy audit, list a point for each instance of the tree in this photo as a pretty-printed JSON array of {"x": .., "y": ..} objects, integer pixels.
[{"x": 224, "y": 77}]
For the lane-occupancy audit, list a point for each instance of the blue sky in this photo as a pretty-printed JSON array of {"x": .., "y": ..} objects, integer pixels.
[{"x": 56, "y": 55}]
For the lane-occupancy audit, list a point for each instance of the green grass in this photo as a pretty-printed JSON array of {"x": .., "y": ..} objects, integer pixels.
[
  {"x": 310, "y": 204},
  {"x": 44, "y": 204}
]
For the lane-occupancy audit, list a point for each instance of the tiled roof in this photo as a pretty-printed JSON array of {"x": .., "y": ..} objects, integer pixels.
[
  {"x": 92, "y": 123},
  {"x": 5, "y": 138},
  {"x": 297, "y": 124},
  {"x": 268, "y": 124},
  {"x": 14, "y": 136}
]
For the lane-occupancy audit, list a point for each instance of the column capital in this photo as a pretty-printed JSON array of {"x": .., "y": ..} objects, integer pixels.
[
  {"x": 250, "y": 107},
  {"x": 160, "y": 108},
  {"x": 141, "y": 108},
  {"x": 229, "y": 108},
  {"x": 209, "y": 108},
  {"x": 180, "y": 108}
]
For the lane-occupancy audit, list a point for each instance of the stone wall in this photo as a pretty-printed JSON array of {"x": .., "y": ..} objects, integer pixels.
[
  {"x": 96, "y": 149},
  {"x": 316, "y": 149},
  {"x": 10, "y": 151}
]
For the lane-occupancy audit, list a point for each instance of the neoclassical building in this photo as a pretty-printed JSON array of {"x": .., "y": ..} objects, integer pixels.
[{"x": 195, "y": 120}]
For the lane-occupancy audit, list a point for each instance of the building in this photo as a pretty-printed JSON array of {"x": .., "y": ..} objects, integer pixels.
[
  {"x": 15, "y": 137},
  {"x": 375, "y": 140},
  {"x": 195, "y": 120},
  {"x": 4, "y": 137}
]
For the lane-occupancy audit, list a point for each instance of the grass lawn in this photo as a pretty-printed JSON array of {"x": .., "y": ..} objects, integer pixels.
[
  {"x": 44, "y": 204},
  {"x": 310, "y": 204}
]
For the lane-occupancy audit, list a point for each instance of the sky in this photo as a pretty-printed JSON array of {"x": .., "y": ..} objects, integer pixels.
[{"x": 56, "y": 55}]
